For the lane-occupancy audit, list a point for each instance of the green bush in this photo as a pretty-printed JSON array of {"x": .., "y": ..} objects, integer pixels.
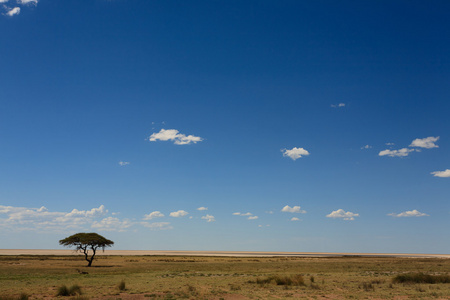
[
  {"x": 22, "y": 296},
  {"x": 296, "y": 280},
  {"x": 72, "y": 291},
  {"x": 421, "y": 278},
  {"x": 122, "y": 285}
]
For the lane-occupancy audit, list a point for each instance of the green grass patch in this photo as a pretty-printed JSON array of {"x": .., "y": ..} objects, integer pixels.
[
  {"x": 421, "y": 278},
  {"x": 295, "y": 280}
]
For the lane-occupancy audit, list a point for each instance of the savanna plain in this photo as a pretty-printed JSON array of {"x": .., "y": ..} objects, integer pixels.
[{"x": 199, "y": 277}]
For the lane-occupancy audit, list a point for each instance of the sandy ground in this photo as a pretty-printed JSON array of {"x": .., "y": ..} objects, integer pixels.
[{"x": 214, "y": 253}]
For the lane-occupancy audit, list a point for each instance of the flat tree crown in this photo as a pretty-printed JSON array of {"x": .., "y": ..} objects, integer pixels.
[{"x": 86, "y": 239}]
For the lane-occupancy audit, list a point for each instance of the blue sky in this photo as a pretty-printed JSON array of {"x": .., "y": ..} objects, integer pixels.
[{"x": 226, "y": 125}]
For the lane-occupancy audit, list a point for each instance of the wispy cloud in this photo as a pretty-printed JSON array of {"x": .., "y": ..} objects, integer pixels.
[
  {"x": 153, "y": 215},
  {"x": 242, "y": 214},
  {"x": 294, "y": 153},
  {"x": 295, "y": 219},
  {"x": 175, "y": 136},
  {"x": 338, "y": 105},
  {"x": 178, "y": 214},
  {"x": 295, "y": 209},
  {"x": 124, "y": 163},
  {"x": 410, "y": 213},
  {"x": 445, "y": 173},
  {"x": 248, "y": 214},
  {"x": 157, "y": 225},
  {"x": 112, "y": 224},
  {"x": 209, "y": 218},
  {"x": 396, "y": 153},
  {"x": 13, "y": 11},
  {"x": 340, "y": 213},
  {"x": 427, "y": 143},
  {"x": 24, "y": 2},
  {"x": 366, "y": 147},
  {"x": 202, "y": 208}
]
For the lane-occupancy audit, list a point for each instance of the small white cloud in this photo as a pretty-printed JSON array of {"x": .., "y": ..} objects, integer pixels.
[
  {"x": 366, "y": 147},
  {"x": 445, "y": 173},
  {"x": 209, "y": 218},
  {"x": 427, "y": 143},
  {"x": 175, "y": 136},
  {"x": 390, "y": 144},
  {"x": 152, "y": 215},
  {"x": 252, "y": 217},
  {"x": 124, "y": 163},
  {"x": 242, "y": 214},
  {"x": 157, "y": 225},
  {"x": 269, "y": 212},
  {"x": 3, "y": 1},
  {"x": 295, "y": 219},
  {"x": 14, "y": 11},
  {"x": 295, "y": 209},
  {"x": 112, "y": 224},
  {"x": 340, "y": 213},
  {"x": 411, "y": 213},
  {"x": 178, "y": 214},
  {"x": 294, "y": 153},
  {"x": 202, "y": 208},
  {"x": 338, "y": 105},
  {"x": 396, "y": 153}
]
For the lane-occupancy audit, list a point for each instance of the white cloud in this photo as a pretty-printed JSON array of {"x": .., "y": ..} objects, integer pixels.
[
  {"x": 445, "y": 173},
  {"x": 112, "y": 224},
  {"x": 338, "y": 105},
  {"x": 178, "y": 214},
  {"x": 24, "y": 2},
  {"x": 295, "y": 219},
  {"x": 124, "y": 163},
  {"x": 209, "y": 218},
  {"x": 152, "y": 215},
  {"x": 242, "y": 214},
  {"x": 3, "y": 1},
  {"x": 249, "y": 215},
  {"x": 13, "y": 11},
  {"x": 427, "y": 143},
  {"x": 294, "y": 153},
  {"x": 340, "y": 213},
  {"x": 157, "y": 225},
  {"x": 23, "y": 218},
  {"x": 366, "y": 147},
  {"x": 396, "y": 153},
  {"x": 175, "y": 136},
  {"x": 411, "y": 213},
  {"x": 390, "y": 144},
  {"x": 295, "y": 209},
  {"x": 202, "y": 208}
]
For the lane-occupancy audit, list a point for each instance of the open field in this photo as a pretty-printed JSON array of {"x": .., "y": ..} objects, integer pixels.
[
  {"x": 216, "y": 253},
  {"x": 219, "y": 277}
]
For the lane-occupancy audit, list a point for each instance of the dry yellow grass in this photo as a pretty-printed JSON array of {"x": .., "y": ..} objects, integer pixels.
[{"x": 184, "y": 277}]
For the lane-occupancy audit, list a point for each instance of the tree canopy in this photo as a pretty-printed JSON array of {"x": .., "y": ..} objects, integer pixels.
[{"x": 85, "y": 242}]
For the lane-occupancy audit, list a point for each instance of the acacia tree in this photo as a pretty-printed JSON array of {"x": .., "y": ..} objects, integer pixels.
[{"x": 85, "y": 242}]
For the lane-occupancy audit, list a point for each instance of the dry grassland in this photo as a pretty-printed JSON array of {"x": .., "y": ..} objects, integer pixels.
[{"x": 183, "y": 277}]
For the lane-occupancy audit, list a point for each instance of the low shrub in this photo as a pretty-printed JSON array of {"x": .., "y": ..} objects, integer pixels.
[
  {"x": 22, "y": 296},
  {"x": 295, "y": 280},
  {"x": 421, "y": 278},
  {"x": 122, "y": 286},
  {"x": 72, "y": 291}
]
